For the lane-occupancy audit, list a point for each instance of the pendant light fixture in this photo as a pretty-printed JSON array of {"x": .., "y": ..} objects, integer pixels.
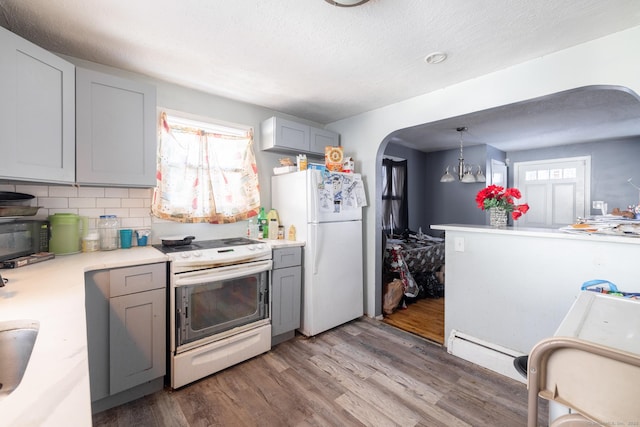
[{"x": 464, "y": 171}]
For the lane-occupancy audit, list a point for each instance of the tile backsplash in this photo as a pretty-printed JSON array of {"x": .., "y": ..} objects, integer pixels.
[{"x": 131, "y": 205}]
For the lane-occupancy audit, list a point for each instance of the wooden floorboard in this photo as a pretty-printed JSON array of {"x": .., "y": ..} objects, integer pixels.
[
  {"x": 425, "y": 318},
  {"x": 364, "y": 373}
]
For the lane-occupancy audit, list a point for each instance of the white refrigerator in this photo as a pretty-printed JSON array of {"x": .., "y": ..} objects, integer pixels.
[{"x": 326, "y": 210}]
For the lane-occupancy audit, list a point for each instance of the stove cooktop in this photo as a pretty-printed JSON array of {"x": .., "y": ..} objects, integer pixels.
[
  {"x": 207, "y": 254},
  {"x": 208, "y": 244}
]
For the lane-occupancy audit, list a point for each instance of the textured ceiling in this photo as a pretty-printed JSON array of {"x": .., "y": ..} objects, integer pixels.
[
  {"x": 580, "y": 115},
  {"x": 309, "y": 58}
]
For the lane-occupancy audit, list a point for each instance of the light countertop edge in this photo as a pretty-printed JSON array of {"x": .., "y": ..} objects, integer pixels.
[
  {"x": 280, "y": 243},
  {"x": 55, "y": 388},
  {"x": 552, "y": 233}
]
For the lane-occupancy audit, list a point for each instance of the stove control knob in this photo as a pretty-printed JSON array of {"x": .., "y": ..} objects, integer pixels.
[
  {"x": 184, "y": 255},
  {"x": 261, "y": 246},
  {"x": 197, "y": 254},
  {"x": 251, "y": 247}
]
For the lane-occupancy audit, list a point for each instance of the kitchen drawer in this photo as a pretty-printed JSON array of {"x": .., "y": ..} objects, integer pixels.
[
  {"x": 129, "y": 280},
  {"x": 287, "y": 257}
]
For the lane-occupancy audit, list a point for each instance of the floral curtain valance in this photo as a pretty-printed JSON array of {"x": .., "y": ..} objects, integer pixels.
[{"x": 203, "y": 176}]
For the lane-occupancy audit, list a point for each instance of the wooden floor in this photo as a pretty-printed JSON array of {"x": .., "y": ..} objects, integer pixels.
[
  {"x": 425, "y": 317},
  {"x": 364, "y": 373}
]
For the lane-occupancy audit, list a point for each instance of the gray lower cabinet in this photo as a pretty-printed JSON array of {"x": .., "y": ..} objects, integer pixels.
[
  {"x": 115, "y": 130},
  {"x": 37, "y": 113},
  {"x": 126, "y": 333},
  {"x": 286, "y": 293}
]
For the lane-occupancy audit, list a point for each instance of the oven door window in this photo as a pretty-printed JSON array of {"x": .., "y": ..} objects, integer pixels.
[{"x": 214, "y": 307}]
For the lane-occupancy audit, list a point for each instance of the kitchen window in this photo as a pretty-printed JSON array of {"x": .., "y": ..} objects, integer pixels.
[{"x": 205, "y": 172}]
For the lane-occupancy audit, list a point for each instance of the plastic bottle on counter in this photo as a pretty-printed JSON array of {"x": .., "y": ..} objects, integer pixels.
[
  {"x": 273, "y": 214},
  {"x": 273, "y": 229},
  {"x": 91, "y": 242},
  {"x": 263, "y": 226},
  {"x": 273, "y": 221},
  {"x": 292, "y": 233},
  {"x": 250, "y": 229}
]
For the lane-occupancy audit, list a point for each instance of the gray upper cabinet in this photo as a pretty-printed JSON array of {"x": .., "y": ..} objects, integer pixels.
[
  {"x": 115, "y": 130},
  {"x": 37, "y": 113},
  {"x": 287, "y": 136},
  {"x": 320, "y": 138}
]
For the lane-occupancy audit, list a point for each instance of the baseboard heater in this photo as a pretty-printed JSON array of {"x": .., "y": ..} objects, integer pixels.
[{"x": 488, "y": 355}]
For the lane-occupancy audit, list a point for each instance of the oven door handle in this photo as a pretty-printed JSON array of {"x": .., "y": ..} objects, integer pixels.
[{"x": 196, "y": 278}]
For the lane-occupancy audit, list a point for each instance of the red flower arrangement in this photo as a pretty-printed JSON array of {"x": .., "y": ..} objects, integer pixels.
[{"x": 495, "y": 196}]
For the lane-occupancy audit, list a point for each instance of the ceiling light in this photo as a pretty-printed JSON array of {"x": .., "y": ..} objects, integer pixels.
[
  {"x": 346, "y": 3},
  {"x": 480, "y": 176},
  {"x": 435, "y": 58},
  {"x": 447, "y": 177},
  {"x": 464, "y": 171}
]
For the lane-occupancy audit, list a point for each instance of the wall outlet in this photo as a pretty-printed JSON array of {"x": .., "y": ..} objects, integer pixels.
[{"x": 458, "y": 244}]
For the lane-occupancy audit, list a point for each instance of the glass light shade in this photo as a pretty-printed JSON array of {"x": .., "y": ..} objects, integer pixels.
[
  {"x": 468, "y": 178},
  {"x": 480, "y": 176},
  {"x": 447, "y": 177}
]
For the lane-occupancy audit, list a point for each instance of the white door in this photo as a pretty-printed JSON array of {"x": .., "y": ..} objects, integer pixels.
[
  {"x": 498, "y": 173},
  {"x": 558, "y": 191}
]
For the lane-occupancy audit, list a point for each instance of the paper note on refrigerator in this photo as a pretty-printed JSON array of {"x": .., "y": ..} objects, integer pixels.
[
  {"x": 353, "y": 194},
  {"x": 341, "y": 191}
]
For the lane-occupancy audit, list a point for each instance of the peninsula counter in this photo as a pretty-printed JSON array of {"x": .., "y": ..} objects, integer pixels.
[{"x": 506, "y": 289}]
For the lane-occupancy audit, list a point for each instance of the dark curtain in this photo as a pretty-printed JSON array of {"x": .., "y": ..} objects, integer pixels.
[{"x": 395, "y": 211}]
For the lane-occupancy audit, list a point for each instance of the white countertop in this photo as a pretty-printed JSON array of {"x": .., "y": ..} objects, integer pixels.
[
  {"x": 553, "y": 233},
  {"x": 280, "y": 243},
  {"x": 55, "y": 388}
]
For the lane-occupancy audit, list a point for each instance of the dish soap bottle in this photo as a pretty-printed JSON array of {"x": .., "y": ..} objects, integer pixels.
[
  {"x": 263, "y": 227},
  {"x": 292, "y": 233}
]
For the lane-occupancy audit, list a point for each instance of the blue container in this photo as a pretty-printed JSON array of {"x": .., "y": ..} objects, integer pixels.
[{"x": 125, "y": 238}]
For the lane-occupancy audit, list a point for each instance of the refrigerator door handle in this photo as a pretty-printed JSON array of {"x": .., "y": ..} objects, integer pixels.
[
  {"x": 312, "y": 182},
  {"x": 314, "y": 239}
]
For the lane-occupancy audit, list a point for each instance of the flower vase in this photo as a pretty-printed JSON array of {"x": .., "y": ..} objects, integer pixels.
[{"x": 498, "y": 217}]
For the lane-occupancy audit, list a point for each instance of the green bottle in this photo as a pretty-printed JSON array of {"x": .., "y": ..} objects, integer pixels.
[{"x": 263, "y": 225}]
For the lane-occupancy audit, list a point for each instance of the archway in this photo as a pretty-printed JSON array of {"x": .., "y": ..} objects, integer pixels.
[{"x": 591, "y": 114}]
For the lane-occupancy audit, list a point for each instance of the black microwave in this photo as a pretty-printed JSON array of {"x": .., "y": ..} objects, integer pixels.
[{"x": 23, "y": 237}]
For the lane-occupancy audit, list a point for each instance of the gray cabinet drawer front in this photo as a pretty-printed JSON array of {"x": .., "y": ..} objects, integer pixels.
[
  {"x": 287, "y": 257},
  {"x": 129, "y": 280}
]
